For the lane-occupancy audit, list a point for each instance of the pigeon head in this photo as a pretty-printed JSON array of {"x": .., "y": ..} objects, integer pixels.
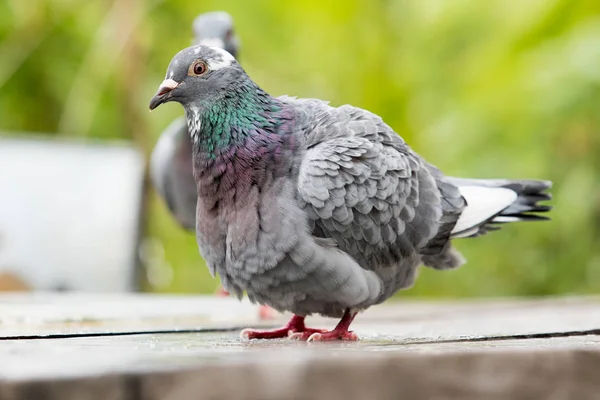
[
  {"x": 216, "y": 29},
  {"x": 197, "y": 76}
]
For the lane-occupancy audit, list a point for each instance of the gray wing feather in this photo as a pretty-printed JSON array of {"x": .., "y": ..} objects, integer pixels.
[
  {"x": 361, "y": 185},
  {"x": 452, "y": 203}
]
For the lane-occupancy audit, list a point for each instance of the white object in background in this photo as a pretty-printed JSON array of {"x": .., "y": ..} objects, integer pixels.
[{"x": 70, "y": 213}]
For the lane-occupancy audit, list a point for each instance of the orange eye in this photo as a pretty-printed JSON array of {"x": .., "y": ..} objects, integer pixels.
[{"x": 198, "y": 68}]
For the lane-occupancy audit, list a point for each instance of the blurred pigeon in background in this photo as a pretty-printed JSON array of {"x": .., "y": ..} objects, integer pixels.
[
  {"x": 314, "y": 209},
  {"x": 171, "y": 167},
  {"x": 216, "y": 29}
]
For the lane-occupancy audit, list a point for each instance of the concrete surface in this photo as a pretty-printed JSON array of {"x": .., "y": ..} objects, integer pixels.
[{"x": 153, "y": 347}]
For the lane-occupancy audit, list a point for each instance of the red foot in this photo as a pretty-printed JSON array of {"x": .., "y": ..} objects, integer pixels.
[
  {"x": 340, "y": 332},
  {"x": 266, "y": 312},
  {"x": 294, "y": 326},
  {"x": 336, "y": 334},
  {"x": 221, "y": 292},
  {"x": 305, "y": 335}
]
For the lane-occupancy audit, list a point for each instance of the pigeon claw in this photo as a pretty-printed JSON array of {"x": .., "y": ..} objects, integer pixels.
[
  {"x": 304, "y": 335},
  {"x": 333, "y": 336},
  {"x": 295, "y": 336},
  {"x": 245, "y": 334}
]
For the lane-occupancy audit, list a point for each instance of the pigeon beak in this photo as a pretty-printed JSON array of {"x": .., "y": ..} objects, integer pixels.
[{"x": 163, "y": 93}]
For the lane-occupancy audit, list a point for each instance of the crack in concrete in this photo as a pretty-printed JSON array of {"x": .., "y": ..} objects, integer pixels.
[{"x": 547, "y": 335}]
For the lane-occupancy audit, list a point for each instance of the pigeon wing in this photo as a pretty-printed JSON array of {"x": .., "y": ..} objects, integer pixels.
[{"x": 361, "y": 185}]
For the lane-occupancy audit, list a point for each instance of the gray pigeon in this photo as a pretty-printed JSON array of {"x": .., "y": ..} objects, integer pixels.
[
  {"x": 171, "y": 168},
  {"x": 314, "y": 209},
  {"x": 216, "y": 29}
]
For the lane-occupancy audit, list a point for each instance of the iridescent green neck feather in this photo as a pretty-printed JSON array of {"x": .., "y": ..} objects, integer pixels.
[{"x": 243, "y": 111}]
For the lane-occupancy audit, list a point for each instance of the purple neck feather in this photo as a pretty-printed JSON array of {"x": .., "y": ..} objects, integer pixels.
[{"x": 251, "y": 155}]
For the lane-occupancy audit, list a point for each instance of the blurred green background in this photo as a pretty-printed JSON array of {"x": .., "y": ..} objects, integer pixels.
[{"x": 494, "y": 88}]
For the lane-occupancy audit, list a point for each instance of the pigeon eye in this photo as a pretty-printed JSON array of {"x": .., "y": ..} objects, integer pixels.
[{"x": 198, "y": 68}]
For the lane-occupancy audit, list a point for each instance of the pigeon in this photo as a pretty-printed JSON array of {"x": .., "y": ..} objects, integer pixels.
[
  {"x": 171, "y": 167},
  {"x": 216, "y": 29},
  {"x": 316, "y": 209}
]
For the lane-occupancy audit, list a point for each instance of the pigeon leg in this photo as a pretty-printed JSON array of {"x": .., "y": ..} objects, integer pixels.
[
  {"x": 221, "y": 292},
  {"x": 294, "y": 326},
  {"x": 266, "y": 312},
  {"x": 340, "y": 332}
]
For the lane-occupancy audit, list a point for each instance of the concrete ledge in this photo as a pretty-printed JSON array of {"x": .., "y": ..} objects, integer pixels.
[
  {"x": 543, "y": 349},
  {"x": 542, "y": 374}
]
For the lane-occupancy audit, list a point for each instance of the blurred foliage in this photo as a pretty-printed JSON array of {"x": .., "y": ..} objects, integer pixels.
[{"x": 496, "y": 88}]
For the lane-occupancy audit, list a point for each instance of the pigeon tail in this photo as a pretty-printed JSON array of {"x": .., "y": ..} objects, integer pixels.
[{"x": 493, "y": 202}]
